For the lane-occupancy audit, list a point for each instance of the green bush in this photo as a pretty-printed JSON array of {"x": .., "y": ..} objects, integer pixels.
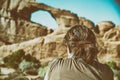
[
  {"x": 28, "y": 65},
  {"x": 111, "y": 64},
  {"x": 42, "y": 71},
  {"x": 19, "y": 60},
  {"x": 14, "y": 59}
]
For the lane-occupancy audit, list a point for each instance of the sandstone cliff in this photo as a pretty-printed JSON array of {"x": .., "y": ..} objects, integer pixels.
[
  {"x": 43, "y": 43},
  {"x": 15, "y": 25}
]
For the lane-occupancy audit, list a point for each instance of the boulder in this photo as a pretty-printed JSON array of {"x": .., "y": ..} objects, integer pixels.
[
  {"x": 112, "y": 35},
  {"x": 16, "y": 27},
  {"x": 110, "y": 52},
  {"x": 104, "y": 26},
  {"x": 86, "y": 22}
]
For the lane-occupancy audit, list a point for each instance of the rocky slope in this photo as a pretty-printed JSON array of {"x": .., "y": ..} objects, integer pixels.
[
  {"x": 49, "y": 47},
  {"x": 16, "y": 27},
  {"x": 15, "y": 24},
  {"x": 18, "y": 32}
]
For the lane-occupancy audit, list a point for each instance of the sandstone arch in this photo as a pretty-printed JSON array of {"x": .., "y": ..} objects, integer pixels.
[
  {"x": 15, "y": 24},
  {"x": 44, "y": 18}
]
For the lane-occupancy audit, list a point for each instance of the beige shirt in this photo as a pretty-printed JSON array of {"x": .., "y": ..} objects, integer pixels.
[{"x": 77, "y": 69}]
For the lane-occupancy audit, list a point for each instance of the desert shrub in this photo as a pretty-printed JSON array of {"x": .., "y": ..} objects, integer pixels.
[
  {"x": 27, "y": 65},
  {"x": 29, "y": 58},
  {"x": 111, "y": 64},
  {"x": 42, "y": 71},
  {"x": 14, "y": 59},
  {"x": 19, "y": 60}
]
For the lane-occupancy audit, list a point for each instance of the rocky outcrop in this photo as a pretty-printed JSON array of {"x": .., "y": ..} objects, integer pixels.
[
  {"x": 110, "y": 52},
  {"x": 44, "y": 49},
  {"x": 51, "y": 46},
  {"x": 23, "y": 32},
  {"x": 109, "y": 46},
  {"x": 104, "y": 26},
  {"x": 112, "y": 35},
  {"x": 2, "y": 43},
  {"x": 15, "y": 25},
  {"x": 86, "y": 22},
  {"x": 46, "y": 44}
]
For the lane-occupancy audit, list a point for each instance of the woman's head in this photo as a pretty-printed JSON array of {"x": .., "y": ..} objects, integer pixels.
[{"x": 81, "y": 42}]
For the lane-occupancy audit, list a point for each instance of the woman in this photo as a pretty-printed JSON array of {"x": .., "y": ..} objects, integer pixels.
[{"x": 81, "y": 63}]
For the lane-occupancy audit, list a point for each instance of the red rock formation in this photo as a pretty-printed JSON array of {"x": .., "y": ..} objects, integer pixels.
[
  {"x": 104, "y": 26},
  {"x": 15, "y": 25}
]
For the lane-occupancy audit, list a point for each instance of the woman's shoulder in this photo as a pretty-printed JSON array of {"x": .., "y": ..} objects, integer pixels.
[
  {"x": 61, "y": 60},
  {"x": 56, "y": 60},
  {"x": 103, "y": 67}
]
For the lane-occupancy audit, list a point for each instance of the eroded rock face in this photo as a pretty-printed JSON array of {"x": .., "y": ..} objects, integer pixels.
[
  {"x": 40, "y": 48},
  {"x": 51, "y": 46},
  {"x": 2, "y": 43},
  {"x": 110, "y": 52},
  {"x": 112, "y": 35},
  {"x": 104, "y": 26},
  {"x": 22, "y": 31},
  {"x": 15, "y": 20},
  {"x": 109, "y": 46},
  {"x": 15, "y": 26},
  {"x": 86, "y": 22},
  {"x": 46, "y": 44}
]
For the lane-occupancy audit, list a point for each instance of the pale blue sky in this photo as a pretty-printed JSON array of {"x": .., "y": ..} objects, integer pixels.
[{"x": 95, "y": 10}]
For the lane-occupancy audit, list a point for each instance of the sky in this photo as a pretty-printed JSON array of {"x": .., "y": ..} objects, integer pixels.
[{"x": 94, "y": 10}]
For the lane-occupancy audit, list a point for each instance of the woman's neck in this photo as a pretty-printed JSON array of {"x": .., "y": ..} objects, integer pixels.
[{"x": 71, "y": 55}]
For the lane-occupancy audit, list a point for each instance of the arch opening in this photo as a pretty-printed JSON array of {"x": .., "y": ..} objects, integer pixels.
[{"x": 44, "y": 18}]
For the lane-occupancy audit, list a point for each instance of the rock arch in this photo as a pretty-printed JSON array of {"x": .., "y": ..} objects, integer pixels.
[
  {"x": 44, "y": 18},
  {"x": 15, "y": 24}
]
